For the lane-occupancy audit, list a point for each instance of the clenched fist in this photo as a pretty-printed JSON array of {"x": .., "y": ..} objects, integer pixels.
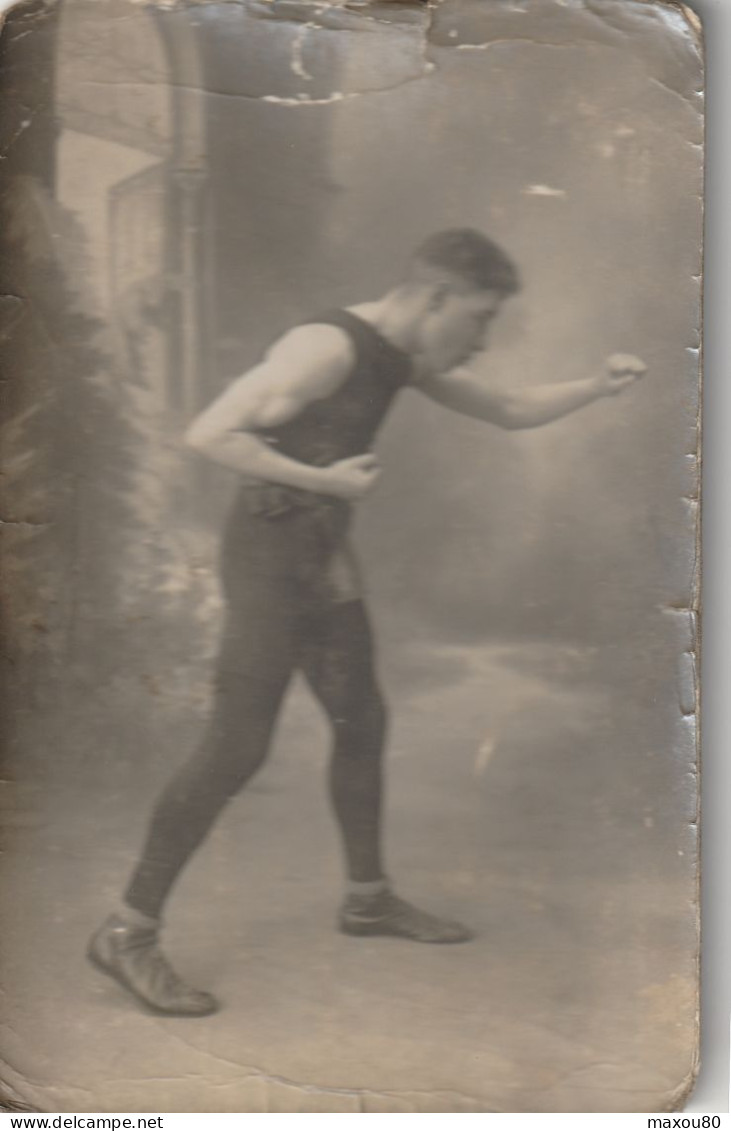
[
  {"x": 352, "y": 478},
  {"x": 622, "y": 370}
]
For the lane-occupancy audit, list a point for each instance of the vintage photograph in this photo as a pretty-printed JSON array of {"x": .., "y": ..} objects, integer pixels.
[{"x": 351, "y": 358}]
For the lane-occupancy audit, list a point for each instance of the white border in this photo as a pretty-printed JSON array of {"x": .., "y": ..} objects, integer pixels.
[{"x": 712, "y": 1090}]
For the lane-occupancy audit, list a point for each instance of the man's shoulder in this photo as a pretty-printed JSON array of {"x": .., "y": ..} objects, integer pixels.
[
  {"x": 312, "y": 360},
  {"x": 317, "y": 340}
]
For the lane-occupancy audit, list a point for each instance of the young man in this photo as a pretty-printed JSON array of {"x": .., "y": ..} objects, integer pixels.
[{"x": 298, "y": 429}]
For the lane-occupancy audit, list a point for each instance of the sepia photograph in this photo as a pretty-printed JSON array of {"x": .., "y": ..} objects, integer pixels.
[{"x": 349, "y": 560}]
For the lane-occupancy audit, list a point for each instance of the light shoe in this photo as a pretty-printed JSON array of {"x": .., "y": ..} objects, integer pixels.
[{"x": 131, "y": 955}]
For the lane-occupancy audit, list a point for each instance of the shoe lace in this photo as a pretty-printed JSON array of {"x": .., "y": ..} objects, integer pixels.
[{"x": 157, "y": 969}]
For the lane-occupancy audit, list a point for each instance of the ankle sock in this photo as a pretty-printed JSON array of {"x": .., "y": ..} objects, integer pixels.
[
  {"x": 131, "y": 917},
  {"x": 370, "y": 889}
]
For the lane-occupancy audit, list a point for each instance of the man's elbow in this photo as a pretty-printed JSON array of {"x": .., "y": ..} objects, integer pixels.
[
  {"x": 192, "y": 437},
  {"x": 519, "y": 422},
  {"x": 507, "y": 422},
  {"x": 515, "y": 414},
  {"x": 507, "y": 415},
  {"x": 198, "y": 438}
]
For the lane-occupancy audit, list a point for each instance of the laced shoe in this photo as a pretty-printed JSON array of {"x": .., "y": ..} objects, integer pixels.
[
  {"x": 131, "y": 955},
  {"x": 386, "y": 914}
]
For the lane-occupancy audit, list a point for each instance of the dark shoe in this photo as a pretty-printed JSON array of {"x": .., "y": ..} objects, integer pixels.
[
  {"x": 132, "y": 956},
  {"x": 386, "y": 914}
]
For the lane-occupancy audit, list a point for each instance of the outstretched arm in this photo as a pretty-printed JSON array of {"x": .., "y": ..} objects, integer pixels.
[
  {"x": 465, "y": 393},
  {"x": 306, "y": 365}
]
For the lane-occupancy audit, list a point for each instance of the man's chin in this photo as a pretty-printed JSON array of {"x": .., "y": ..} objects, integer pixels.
[
  {"x": 459, "y": 363},
  {"x": 463, "y": 359}
]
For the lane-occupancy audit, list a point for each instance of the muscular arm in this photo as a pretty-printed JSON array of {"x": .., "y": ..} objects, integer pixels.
[
  {"x": 465, "y": 393},
  {"x": 306, "y": 365}
]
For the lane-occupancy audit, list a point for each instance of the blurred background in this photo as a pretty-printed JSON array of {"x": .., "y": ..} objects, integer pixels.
[{"x": 183, "y": 184}]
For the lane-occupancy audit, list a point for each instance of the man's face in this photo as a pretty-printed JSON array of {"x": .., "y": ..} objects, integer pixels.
[{"x": 455, "y": 327}]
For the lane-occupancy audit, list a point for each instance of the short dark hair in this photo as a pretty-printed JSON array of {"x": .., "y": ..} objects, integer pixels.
[{"x": 470, "y": 256}]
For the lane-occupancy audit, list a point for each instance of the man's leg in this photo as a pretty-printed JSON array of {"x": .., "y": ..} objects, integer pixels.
[
  {"x": 254, "y": 667},
  {"x": 337, "y": 658},
  {"x": 235, "y": 746},
  {"x": 337, "y": 661},
  {"x": 233, "y": 749}
]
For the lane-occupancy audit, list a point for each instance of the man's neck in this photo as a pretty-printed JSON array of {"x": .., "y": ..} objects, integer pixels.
[{"x": 394, "y": 319}]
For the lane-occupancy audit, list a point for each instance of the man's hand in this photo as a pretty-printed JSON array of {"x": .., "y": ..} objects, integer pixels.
[
  {"x": 622, "y": 370},
  {"x": 351, "y": 479}
]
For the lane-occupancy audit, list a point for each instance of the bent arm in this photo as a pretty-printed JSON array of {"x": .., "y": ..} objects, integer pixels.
[
  {"x": 308, "y": 364},
  {"x": 465, "y": 393}
]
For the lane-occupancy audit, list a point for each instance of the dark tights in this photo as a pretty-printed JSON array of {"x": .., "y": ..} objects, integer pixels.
[{"x": 334, "y": 651}]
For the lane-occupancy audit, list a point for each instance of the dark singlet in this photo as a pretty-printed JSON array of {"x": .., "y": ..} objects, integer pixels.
[{"x": 341, "y": 425}]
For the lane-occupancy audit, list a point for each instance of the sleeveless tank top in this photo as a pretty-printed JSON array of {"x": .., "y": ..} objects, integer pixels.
[
  {"x": 341, "y": 425},
  {"x": 345, "y": 423}
]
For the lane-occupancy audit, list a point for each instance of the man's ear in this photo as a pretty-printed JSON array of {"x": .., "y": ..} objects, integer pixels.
[{"x": 437, "y": 296}]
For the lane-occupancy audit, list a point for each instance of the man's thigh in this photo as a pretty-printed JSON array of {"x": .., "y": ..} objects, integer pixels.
[{"x": 259, "y": 636}]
